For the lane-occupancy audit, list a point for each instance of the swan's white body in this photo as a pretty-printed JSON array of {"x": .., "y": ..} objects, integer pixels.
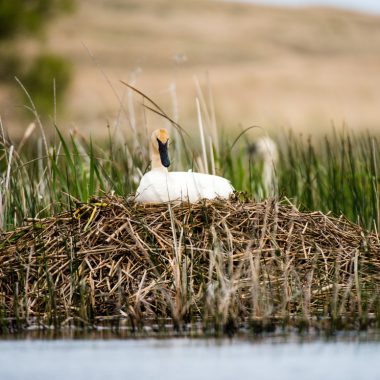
[
  {"x": 162, "y": 186},
  {"x": 159, "y": 185}
]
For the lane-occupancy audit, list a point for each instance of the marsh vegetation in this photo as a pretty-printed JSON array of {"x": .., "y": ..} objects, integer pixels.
[{"x": 76, "y": 249}]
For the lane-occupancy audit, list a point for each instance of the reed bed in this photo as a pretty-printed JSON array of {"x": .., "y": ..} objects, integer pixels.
[
  {"x": 75, "y": 247},
  {"x": 219, "y": 263}
]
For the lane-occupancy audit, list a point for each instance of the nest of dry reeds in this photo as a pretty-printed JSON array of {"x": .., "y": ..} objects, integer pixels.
[{"x": 214, "y": 260}]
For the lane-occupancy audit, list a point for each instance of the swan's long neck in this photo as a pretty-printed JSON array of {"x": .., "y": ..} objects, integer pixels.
[
  {"x": 266, "y": 150},
  {"x": 269, "y": 176}
]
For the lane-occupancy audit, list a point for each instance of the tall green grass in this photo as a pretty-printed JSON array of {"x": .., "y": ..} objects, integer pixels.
[
  {"x": 337, "y": 174},
  {"x": 41, "y": 176}
]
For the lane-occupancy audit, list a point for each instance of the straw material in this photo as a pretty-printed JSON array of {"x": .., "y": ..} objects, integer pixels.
[{"x": 218, "y": 260}]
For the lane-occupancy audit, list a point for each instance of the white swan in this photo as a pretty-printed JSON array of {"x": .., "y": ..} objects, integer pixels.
[
  {"x": 159, "y": 185},
  {"x": 265, "y": 149}
]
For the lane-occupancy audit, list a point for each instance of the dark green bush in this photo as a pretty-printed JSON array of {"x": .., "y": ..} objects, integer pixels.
[{"x": 28, "y": 15}]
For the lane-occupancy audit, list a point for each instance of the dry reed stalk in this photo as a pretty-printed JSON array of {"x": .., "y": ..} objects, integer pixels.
[{"x": 217, "y": 260}]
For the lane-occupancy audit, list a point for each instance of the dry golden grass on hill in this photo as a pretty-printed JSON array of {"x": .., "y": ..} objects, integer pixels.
[{"x": 276, "y": 67}]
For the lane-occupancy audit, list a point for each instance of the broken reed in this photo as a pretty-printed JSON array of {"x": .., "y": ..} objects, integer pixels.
[{"x": 221, "y": 263}]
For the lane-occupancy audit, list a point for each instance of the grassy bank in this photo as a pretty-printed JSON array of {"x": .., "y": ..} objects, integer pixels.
[
  {"x": 75, "y": 248},
  {"x": 337, "y": 174}
]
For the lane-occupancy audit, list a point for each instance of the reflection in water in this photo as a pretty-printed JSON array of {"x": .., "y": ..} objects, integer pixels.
[{"x": 188, "y": 359}]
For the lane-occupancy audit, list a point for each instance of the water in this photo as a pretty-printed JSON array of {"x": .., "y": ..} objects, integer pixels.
[
  {"x": 187, "y": 359},
  {"x": 370, "y": 6}
]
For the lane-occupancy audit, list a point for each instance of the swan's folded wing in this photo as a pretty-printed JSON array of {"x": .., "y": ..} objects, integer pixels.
[
  {"x": 196, "y": 186},
  {"x": 156, "y": 186},
  {"x": 152, "y": 188}
]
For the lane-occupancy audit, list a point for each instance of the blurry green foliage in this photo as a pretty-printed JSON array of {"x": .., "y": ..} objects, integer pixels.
[
  {"x": 28, "y": 15},
  {"x": 45, "y": 71},
  {"x": 25, "y": 17},
  {"x": 10, "y": 64}
]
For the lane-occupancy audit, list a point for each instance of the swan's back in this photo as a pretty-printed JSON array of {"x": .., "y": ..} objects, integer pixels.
[
  {"x": 198, "y": 185},
  {"x": 160, "y": 186}
]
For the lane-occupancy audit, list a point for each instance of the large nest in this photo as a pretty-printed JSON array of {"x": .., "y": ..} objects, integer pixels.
[{"x": 214, "y": 260}]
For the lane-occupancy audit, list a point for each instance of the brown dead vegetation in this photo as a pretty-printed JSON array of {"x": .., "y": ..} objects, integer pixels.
[{"x": 218, "y": 261}]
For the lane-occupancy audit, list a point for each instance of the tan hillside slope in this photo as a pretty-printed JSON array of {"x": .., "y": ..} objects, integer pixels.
[{"x": 276, "y": 67}]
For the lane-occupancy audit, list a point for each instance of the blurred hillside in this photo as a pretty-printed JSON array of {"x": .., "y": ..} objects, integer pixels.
[{"x": 275, "y": 67}]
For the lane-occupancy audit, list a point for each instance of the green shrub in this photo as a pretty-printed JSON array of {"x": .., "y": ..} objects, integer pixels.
[{"x": 28, "y": 15}]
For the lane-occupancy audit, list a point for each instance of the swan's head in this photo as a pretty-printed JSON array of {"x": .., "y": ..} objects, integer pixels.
[
  {"x": 160, "y": 143},
  {"x": 264, "y": 149}
]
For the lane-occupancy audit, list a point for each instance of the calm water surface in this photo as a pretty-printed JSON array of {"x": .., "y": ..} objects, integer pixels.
[{"x": 187, "y": 359}]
